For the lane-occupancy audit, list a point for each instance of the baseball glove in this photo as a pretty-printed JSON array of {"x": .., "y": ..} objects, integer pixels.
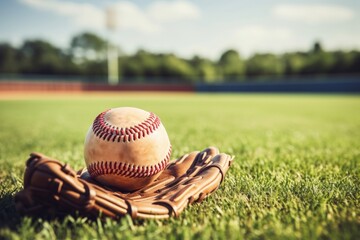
[{"x": 53, "y": 187}]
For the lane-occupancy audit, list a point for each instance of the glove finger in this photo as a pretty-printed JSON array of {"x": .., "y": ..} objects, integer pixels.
[
  {"x": 179, "y": 167},
  {"x": 171, "y": 176},
  {"x": 24, "y": 203},
  {"x": 176, "y": 195},
  {"x": 204, "y": 157},
  {"x": 196, "y": 187}
]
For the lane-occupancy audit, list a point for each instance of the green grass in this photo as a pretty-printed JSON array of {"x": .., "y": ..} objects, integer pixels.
[{"x": 296, "y": 173}]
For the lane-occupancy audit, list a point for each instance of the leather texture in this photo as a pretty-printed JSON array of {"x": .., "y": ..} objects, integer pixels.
[{"x": 53, "y": 187}]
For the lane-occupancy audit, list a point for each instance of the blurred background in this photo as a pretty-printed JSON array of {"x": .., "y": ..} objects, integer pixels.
[{"x": 202, "y": 45}]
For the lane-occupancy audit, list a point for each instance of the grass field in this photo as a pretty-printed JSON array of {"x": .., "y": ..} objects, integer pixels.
[{"x": 296, "y": 173}]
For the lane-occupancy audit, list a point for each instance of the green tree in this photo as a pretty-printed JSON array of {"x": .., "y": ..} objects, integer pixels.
[
  {"x": 319, "y": 61},
  {"x": 149, "y": 62},
  {"x": 343, "y": 62},
  {"x": 317, "y": 48},
  {"x": 155, "y": 67},
  {"x": 38, "y": 56},
  {"x": 294, "y": 63},
  {"x": 88, "y": 46},
  {"x": 89, "y": 52},
  {"x": 231, "y": 65},
  {"x": 264, "y": 64},
  {"x": 176, "y": 68},
  {"x": 131, "y": 69},
  {"x": 205, "y": 69},
  {"x": 355, "y": 66},
  {"x": 8, "y": 59}
]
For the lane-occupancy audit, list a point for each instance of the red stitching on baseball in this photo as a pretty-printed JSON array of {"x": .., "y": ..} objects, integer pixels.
[
  {"x": 126, "y": 169},
  {"x": 108, "y": 132}
]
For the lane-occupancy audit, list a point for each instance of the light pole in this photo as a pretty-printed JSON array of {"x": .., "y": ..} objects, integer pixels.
[{"x": 112, "y": 51}]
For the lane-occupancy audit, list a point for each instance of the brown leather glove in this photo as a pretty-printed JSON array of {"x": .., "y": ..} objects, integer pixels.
[{"x": 50, "y": 186}]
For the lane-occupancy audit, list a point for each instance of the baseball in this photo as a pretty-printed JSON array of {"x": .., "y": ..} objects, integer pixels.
[{"x": 126, "y": 148}]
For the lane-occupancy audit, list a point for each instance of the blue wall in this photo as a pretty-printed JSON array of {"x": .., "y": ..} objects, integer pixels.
[{"x": 350, "y": 84}]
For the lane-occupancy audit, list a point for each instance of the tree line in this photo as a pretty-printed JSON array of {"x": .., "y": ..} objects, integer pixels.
[{"x": 86, "y": 56}]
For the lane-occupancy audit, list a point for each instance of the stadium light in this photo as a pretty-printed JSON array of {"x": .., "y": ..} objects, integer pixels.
[{"x": 112, "y": 51}]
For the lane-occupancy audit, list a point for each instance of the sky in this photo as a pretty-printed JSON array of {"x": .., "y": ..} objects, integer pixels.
[{"x": 187, "y": 28}]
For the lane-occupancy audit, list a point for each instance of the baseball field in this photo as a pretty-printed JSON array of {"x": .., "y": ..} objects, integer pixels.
[{"x": 296, "y": 173}]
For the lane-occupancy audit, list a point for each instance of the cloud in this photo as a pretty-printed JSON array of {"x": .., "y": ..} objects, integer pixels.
[
  {"x": 261, "y": 38},
  {"x": 258, "y": 32},
  {"x": 128, "y": 15},
  {"x": 165, "y": 11},
  {"x": 83, "y": 14},
  {"x": 313, "y": 13}
]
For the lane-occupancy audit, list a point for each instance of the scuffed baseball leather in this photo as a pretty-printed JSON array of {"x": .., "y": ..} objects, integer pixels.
[{"x": 53, "y": 187}]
